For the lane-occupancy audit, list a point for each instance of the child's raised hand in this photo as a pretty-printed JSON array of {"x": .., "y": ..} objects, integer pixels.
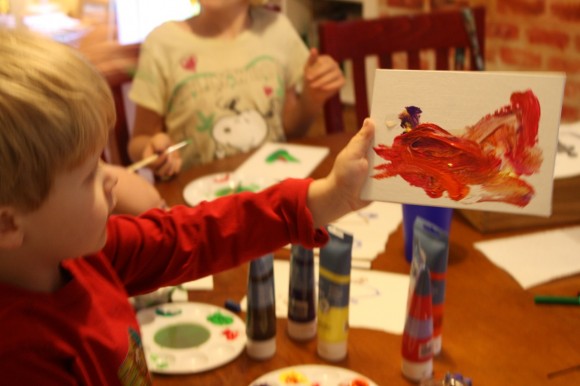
[
  {"x": 167, "y": 164},
  {"x": 339, "y": 193},
  {"x": 322, "y": 77}
]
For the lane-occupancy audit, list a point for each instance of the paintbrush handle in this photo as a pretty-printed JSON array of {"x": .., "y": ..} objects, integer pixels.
[
  {"x": 152, "y": 158},
  {"x": 141, "y": 164}
]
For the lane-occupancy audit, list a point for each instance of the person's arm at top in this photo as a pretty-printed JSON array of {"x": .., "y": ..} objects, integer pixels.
[
  {"x": 322, "y": 79},
  {"x": 149, "y": 138}
]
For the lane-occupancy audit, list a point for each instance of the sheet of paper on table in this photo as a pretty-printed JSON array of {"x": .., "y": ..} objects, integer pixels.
[
  {"x": 370, "y": 228},
  {"x": 205, "y": 283},
  {"x": 378, "y": 300},
  {"x": 567, "y": 164},
  {"x": 277, "y": 161},
  {"x": 472, "y": 140},
  {"x": 537, "y": 257}
]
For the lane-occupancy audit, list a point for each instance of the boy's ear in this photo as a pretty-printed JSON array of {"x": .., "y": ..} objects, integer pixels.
[{"x": 11, "y": 232}]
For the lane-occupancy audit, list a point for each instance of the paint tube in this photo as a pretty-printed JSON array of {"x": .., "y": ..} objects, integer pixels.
[
  {"x": 416, "y": 348},
  {"x": 301, "y": 294},
  {"x": 431, "y": 243},
  {"x": 333, "y": 295},
  {"x": 261, "y": 309}
]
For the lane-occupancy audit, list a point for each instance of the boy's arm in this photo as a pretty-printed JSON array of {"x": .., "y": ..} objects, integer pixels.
[{"x": 339, "y": 193}]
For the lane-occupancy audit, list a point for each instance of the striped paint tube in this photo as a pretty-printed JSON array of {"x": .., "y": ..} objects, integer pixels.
[
  {"x": 334, "y": 295},
  {"x": 433, "y": 242},
  {"x": 417, "y": 350}
]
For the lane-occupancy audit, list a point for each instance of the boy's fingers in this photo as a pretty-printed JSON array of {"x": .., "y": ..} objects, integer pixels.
[{"x": 365, "y": 135}]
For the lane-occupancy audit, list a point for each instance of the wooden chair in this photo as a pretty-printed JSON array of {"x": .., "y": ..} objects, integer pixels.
[
  {"x": 449, "y": 34},
  {"x": 117, "y": 63}
]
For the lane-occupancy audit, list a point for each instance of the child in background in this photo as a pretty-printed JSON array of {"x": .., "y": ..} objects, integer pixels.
[
  {"x": 67, "y": 265},
  {"x": 227, "y": 79}
]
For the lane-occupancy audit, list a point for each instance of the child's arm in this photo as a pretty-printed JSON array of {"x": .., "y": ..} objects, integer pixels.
[
  {"x": 148, "y": 138},
  {"x": 322, "y": 79},
  {"x": 339, "y": 193}
]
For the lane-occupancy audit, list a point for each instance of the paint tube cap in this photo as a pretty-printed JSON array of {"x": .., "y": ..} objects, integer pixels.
[
  {"x": 333, "y": 352},
  {"x": 302, "y": 330},
  {"x": 261, "y": 349},
  {"x": 417, "y": 371},
  {"x": 437, "y": 344}
]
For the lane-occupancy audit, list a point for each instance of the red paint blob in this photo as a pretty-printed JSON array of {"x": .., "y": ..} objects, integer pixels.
[{"x": 491, "y": 155}]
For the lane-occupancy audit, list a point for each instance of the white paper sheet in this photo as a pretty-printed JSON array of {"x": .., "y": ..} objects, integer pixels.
[
  {"x": 283, "y": 160},
  {"x": 371, "y": 227},
  {"x": 568, "y": 165},
  {"x": 537, "y": 257},
  {"x": 378, "y": 300},
  {"x": 205, "y": 283}
]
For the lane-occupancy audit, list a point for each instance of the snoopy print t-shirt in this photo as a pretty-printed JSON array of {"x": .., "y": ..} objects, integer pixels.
[{"x": 227, "y": 96}]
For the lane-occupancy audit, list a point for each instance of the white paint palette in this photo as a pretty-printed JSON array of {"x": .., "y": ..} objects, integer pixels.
[
  {"x": 308, "y": 375},
  {"x": 187, "y": 337}
]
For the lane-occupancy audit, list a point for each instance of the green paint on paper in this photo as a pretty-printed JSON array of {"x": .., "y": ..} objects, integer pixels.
[
  {"x": 281, "y": 155},
  {"x": 238, "y": 189}
]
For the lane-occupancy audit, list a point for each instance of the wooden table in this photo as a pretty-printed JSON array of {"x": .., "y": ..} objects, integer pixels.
[{"x": 492, "y": 331}]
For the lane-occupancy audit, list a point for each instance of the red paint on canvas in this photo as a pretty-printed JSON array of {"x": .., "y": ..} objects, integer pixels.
[{"x": 485, "y": 163}]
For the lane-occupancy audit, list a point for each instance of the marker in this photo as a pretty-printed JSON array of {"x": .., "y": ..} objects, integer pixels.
[
  {"x": 232, "y": 305},
  {"x": 152, "y": 158},
  {"x": 565, "y": 300}
]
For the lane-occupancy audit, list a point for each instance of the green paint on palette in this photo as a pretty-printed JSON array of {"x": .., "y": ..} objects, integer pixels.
[
  {"x": 182, "y": 335},
  {"x": 220, "y": 319}
]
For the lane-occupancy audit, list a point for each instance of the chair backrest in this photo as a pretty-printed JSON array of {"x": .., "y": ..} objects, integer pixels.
[
  {"x": 449, "y": 34},
  {"x": 117, "y": 63}
]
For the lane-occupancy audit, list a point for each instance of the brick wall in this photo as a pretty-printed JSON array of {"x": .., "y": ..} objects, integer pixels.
[{"x": 527, "y": 35}]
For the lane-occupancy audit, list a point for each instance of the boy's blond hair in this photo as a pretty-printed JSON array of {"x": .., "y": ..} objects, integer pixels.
[{"x": 55, "y": 110}]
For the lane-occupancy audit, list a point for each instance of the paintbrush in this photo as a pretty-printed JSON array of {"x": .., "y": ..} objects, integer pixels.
[{"x": 152, "y": 158}]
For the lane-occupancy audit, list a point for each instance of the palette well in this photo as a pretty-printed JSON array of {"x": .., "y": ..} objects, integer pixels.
[
  {"x": 187, "y": 337},
  {"x": 310, "y": 375},
  {"x": 216, "y": 185}
]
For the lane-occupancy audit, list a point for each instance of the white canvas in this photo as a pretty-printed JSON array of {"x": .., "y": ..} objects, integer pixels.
[{"x": 455, "y": 101}]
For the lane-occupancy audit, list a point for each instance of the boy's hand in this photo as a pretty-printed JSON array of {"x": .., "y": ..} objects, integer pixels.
[
  {"x": 167, "y": 164},
  {"x": 351, "y": 166},
  {"x": 339, "y": 193}
]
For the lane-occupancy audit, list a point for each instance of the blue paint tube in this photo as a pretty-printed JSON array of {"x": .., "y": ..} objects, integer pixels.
[
  {"x": 333, "y": 295},
  {"x": 261, "y": 309},
  {"x": 431, "y": 247},
  {"x": 301, "y": 294}
]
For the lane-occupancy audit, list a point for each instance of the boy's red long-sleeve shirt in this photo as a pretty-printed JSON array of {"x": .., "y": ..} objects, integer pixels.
[{"x": 86, "y": 332}]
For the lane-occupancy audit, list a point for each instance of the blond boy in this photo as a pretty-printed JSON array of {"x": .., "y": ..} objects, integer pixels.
[{"x": 67, "y": 265}]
